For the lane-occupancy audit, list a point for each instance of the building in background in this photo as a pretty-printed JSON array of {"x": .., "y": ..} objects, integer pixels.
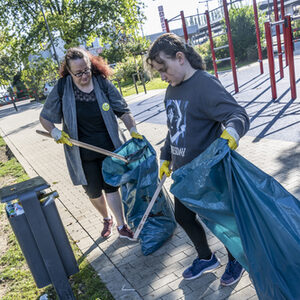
[
  {"x": 196, "y": 24},
  {"x": 94, "y": 48}
]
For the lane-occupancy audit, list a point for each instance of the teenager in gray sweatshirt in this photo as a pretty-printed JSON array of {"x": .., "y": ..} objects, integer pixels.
[{"x": 199, "y": 110}]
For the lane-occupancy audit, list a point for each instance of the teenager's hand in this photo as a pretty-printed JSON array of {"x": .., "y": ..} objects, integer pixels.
[
  {"x": 164, "y": 169},
  {"x": 134, "y": 134},
  {"x": 61, "y": 137},
  {"x": 232, "y": 136}
]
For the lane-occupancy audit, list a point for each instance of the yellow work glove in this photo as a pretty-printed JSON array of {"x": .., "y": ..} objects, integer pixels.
[
  {"x": 164, "y": 169},
  {"x": 61, "y": 137},
  {"x": 232, "y": 136},
  {"x": 134, "y": 134}
]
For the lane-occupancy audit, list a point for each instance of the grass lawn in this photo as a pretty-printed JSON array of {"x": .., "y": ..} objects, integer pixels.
[
  {"x": 157, "y": 83},
  {"x": 16, "y": 281},
  {"x": 154, "y": 84}
]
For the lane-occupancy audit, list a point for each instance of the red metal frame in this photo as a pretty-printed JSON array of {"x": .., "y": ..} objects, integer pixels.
[
  {"x": 231, "y": 51},
  {"x": 290, "y": 51},
  {"x": 278, "y": 39},
  {"x": 284, "y": 33},
  {"x": 211, "y": 43},
  {"x": 258, "y": 37},
  {"x": 184, "y": 26},
  {"x": 270, "y": 59},
  {"x": 167, "y": 25}
]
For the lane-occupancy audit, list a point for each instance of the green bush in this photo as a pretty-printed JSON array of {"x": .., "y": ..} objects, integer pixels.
[
  {"x": 296, "y": 25},
  {"x": 125, "y": 69},
  {"x": 205, "y": 53},
  {"x": 252, "y": 53},
  {"x": 37, "y": 72},
  {"x": 242, "y": 23}
]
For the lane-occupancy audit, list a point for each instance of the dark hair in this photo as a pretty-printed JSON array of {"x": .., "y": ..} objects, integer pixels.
[
  {"x": 98, "y": 65},
  {"x": 170, "y": 44}
]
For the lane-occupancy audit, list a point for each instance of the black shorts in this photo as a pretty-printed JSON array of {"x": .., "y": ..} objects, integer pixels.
[{"x": 95, "y": 182}]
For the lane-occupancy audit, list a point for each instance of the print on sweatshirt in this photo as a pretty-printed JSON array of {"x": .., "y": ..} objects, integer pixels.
[{"x": 176, "y": 120}]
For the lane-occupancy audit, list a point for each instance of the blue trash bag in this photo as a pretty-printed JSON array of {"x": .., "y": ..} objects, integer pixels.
[
  {"x": 250, "y": 212},
  {"x": 139, "y": 181}
]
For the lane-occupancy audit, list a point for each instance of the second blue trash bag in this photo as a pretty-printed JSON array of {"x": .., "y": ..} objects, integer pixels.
[
  {"x": 250, "y": 212},
  {"x": 139, "y": 180}
]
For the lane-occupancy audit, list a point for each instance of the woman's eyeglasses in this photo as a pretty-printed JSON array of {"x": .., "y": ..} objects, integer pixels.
[{"x": 80, "y": 74}]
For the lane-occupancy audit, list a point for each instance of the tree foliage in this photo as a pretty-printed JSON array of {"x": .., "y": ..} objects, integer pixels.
[
  {"x": 242, "y": 23},
  {"x": 243, "y": 32},
  {"x": 132, "y": 60},
  {"x": 132, "y": 46},
  {"x": 9, "y": 57},
  {"x": 74, "y": 21},
  {"x": 37, "y": 72}
]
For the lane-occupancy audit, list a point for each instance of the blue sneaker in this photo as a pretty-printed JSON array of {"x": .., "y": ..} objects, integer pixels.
[
  {"x": 233, "y": 273},
  {"x": 201, "y": 266}
]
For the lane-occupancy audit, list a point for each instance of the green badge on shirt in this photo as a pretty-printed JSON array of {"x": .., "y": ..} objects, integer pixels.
[{"x": 105, "y": 106}]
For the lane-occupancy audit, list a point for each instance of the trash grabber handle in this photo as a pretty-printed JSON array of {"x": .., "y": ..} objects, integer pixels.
[
  {"x": 150, "y": 205},
  {"x": 88, "y": 146}
]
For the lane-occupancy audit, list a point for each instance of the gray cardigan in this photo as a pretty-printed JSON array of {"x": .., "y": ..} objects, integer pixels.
[{"x": 56, "y": 111}]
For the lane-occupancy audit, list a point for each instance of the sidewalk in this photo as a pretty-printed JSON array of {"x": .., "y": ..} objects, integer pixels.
[{"x": 272, "y": 144}]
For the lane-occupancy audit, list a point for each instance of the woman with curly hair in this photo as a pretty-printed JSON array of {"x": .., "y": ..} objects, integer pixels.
[{"x": 89, "y": 106}]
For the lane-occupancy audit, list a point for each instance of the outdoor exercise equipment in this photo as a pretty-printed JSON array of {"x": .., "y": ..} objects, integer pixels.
[
  {"x": 258, "y": 38},
  {"x": 229, "y": 45},
  {"x": 290, "y": 53},
  {"x": 176, "y": 18},
  {"x": 279, "y": 50},
  {"x": 283, "y": 28},
  {"x": 276, "y": 19},
  {"x": 209, "y": 27}
]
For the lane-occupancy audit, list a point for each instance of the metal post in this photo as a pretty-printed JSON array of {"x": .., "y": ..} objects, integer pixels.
[
  {"x": 134, "y": 81},
  {"x": 270, "y": 59},
  {"x": 211, "y": 43},
  {"x": 119, "y": 85},
  {"x": 143, "y": 82},
  {"x": 290, "y": 50},
  {"x": 12, "y": 97},
  {"x": 231, "y": 50},
  {"x": 184, "y": 26},
  {"x": 258, "y": 37},
  {"x": 167, "y": 25},
  {"x": 55, "y": 54},
  {"x": 278, "y": 39},
  {"x": 284, "y": 33}
]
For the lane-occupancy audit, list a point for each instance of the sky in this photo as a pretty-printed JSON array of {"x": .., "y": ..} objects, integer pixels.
[{"x": 171, "y": 8}]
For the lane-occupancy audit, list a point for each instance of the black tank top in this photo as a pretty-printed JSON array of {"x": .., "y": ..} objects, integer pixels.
[{"x": 91, "y": 126}]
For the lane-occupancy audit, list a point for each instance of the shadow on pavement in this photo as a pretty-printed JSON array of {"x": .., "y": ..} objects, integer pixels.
[{"x": 6, "y": 111}]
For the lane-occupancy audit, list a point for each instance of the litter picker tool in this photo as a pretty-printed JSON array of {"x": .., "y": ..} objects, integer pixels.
[
  {"x": 89, "y": 147},
  {"x": 151, "y": 203}
]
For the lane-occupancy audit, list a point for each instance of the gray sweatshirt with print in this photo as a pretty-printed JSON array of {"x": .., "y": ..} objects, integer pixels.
[{"x": 197, "y": 110}]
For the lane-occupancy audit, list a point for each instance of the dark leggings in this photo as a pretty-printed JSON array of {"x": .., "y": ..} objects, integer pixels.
[{"x": 195, "y": 231}]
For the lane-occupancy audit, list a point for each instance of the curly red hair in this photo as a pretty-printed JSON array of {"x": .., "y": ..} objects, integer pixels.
[{"x": 98, "y": 64}]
